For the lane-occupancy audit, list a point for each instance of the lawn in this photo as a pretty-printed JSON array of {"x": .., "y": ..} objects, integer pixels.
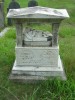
[{"x": 46, "y": 90}]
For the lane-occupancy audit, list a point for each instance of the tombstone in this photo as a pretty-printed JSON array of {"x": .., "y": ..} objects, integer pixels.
[
  {"x": 2, "y": 0},
  {"x": 1, "y": 14},
  {"x": 13, "y": 5},
  {"x": 32, "y": 3},
  {"x": 37, "y": 51}
]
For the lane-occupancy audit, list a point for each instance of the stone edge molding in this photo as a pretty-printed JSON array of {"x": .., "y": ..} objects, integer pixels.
[{"x": 37, "y": 12}]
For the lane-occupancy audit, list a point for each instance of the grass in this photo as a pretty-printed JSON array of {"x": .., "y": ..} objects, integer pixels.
[{"x": 46, "y": 90}]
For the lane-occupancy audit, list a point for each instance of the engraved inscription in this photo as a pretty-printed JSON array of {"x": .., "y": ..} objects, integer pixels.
[{"x": 38, "y": 57}]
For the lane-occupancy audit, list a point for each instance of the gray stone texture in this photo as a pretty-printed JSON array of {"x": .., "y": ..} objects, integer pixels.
[
  {"x": 1, "y": 14},
  {"x": 32, "y": 3},
  {"x": 12, "y": 5}
]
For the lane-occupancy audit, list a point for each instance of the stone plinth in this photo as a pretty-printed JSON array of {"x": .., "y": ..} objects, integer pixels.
[{"x": 33, "y": 74}]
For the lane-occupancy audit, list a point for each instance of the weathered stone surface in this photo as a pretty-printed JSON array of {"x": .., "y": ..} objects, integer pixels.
[
  {"x": 2, "y": 0},
  {"x": 37, "y": 56},
  {"x": 32, "y": 74},
  {"x": 1, "y": 15},
  {"x": 32, "y": 3},
  {"x": 19, "y": 37},
  {"x": 35, "y": 61},
  {"x": 55, "y": 29},
  {"x": 13, "y": 5},
  {"x": 36, "y": 38},
  {"x": 38, "y": 12}
]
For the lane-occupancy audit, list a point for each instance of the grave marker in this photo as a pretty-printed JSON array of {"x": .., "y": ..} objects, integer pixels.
[
  {"x": 32, "y": 3},
  {"x": 1, "y": 14},
  {"x": 37, "y": 52},
  {"x": 13, "y": 5}
]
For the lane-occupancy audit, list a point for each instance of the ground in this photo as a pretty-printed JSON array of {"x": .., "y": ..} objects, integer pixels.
[{"x": 51, "y": 89}]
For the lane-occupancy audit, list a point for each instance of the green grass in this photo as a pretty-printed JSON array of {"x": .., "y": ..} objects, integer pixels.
[{"x": 46, "y": 90}]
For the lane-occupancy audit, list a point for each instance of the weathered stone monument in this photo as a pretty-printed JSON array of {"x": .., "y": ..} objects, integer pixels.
[
  {"x": 13, "y": 5},
  {"x": 1, "y": 14},
  {"x": 32, "y": 3},
  {"x": 37, "y": 52}
]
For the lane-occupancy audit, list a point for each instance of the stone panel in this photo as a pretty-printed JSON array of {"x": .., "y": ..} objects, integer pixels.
[{"x": 37, "y": 56}]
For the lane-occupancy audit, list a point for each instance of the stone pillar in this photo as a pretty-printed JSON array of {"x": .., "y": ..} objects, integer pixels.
[
  {"x": 55, "y": 28},
  {"x": 19, "y": 31},
  {"x": 2, "y": 6},
  {"x": 2, "y": 14}
]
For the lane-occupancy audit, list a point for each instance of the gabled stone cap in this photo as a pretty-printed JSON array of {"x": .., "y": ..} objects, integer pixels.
[{"x": 38, "y": 12}]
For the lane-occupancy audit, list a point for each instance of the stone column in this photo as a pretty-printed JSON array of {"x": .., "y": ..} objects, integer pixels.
[
  {"x": 55, "y": 28},
  {"x": 2, "y": 7},
  {"x": 2, "y": 14},
  {"x": 19, "y": 29}
]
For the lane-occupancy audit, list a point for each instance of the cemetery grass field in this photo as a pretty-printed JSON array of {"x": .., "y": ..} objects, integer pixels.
[{"x": 46, "y": 90}]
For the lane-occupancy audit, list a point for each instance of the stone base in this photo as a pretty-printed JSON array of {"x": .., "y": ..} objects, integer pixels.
[{"x": 33, "y": 74}]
